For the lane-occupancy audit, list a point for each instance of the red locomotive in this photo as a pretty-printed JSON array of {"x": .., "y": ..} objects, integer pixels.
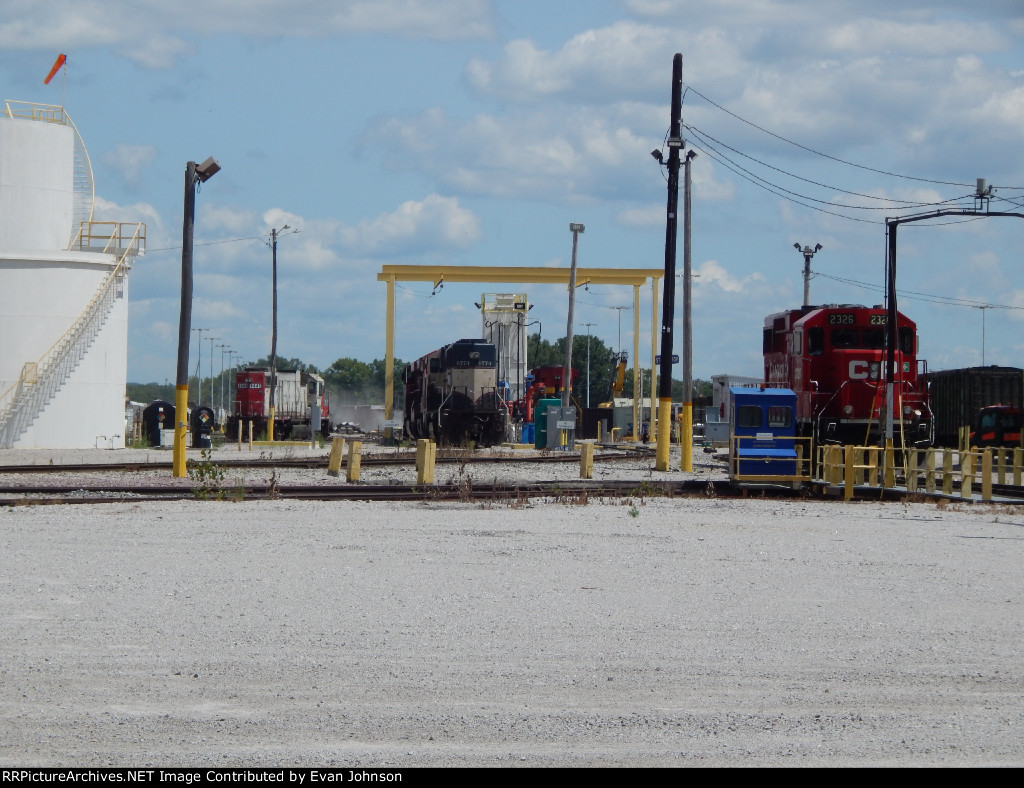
[
  {"x": 296, "y": 393},
  {"x": 834, "y": 358}
]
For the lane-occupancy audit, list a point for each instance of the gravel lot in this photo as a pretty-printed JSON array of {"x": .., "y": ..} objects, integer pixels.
[{"x": 647, "y": 632}]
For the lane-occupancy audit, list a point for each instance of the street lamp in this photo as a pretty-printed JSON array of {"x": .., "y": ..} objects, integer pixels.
[{"x": 194, "y": 175}]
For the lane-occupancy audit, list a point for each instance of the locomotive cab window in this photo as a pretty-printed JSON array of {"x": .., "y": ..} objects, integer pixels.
[
  {"x": 748, "y": 416},
  {"x": 844, "y": 337},
  {"x": 906, "y": 340},
  {"x": 815, "y": 341}
]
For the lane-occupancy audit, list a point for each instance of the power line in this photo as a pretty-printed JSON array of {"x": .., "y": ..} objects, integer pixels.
[
  {"x": 892, "y": 202},
  {"x": 919, "y": 296},
  {"x": 824, "y": 155}
]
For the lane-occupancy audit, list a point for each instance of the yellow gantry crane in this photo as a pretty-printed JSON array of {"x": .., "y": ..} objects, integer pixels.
[{"x": 438, "y": 274}]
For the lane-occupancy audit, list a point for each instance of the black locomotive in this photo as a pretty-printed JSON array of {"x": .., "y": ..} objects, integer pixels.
[{"x": 453, "y": 395}]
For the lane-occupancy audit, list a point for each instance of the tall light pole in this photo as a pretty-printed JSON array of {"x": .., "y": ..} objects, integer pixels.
[
  {"x": 575, "y": 228},
  {"x": 808, "y": 253},
  {"x": 199, "y": 364},
  {"x": 983, "y": 308},
  {"x": 194, "y": 175},
  {"x": 588, "y": 325},
  {"x": 686, "y": 450},
  {"x": 211, "y": 340},
  {"x": 274, "y": 233},
  {"x": 220, "y": 383}
]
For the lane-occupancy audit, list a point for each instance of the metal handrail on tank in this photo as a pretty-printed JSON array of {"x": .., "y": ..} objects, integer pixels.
[
  {"x": 34, "y": 374},
  {"x": 31, "y": 110}
]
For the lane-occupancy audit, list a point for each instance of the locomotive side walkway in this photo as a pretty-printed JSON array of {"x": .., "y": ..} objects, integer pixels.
[{"x": 636, "y": 632}]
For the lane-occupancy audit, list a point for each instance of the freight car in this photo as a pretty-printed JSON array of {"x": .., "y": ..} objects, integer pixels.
[
  {"x": 958, "y": 395},
  {"x": 452, "y": 395},
  {"x": 833, "y": 357},
  {"x": 297, "y": 393}
]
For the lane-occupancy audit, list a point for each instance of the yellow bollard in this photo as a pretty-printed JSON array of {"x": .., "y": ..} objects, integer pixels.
[
  {"x": 239, "y": 434},
  {"x": 929, "y": 470},
  {"x": 586, "y": 460},
  {"x": 250, "y": 434},
  {"x": 354, "y": 460},
  {"x": 1018, "y": 460},
  {"x": 334, "y": 463},
  {"x": 426, "y": 452},
  {"x": 986, "y": 475}
]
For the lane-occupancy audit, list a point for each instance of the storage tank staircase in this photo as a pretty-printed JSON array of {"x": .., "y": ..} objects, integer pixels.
[{"x": 40, "y": 380}]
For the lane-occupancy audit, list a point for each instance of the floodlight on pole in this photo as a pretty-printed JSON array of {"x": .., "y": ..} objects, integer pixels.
[
  {"x": 194, "y": 175},
  {"x": 808, "y": 253}
]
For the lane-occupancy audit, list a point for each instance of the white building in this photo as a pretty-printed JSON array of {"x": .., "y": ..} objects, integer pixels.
[{"x": 63, "y": 290}]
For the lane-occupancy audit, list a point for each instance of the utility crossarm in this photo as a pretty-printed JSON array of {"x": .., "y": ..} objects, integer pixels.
[
  {"x": 891, "y": 224},
  {"x": 437, "y": 274}
]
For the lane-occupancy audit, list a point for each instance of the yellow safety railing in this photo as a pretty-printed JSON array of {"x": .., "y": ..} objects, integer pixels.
[
  {"x": 30, "y": 110},
  {"x": 927, "y": 471}
]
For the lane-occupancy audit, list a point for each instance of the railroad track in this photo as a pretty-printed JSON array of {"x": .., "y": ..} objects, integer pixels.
[
  {"x": 566, "y": 491},
  {"x": 405, "y": 458}
]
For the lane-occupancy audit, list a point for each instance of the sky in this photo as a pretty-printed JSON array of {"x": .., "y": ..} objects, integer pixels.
[{"x": 472, "y": 132}]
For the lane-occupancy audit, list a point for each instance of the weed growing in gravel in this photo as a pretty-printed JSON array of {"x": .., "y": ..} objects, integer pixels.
[{"x": 208, "y": 476}]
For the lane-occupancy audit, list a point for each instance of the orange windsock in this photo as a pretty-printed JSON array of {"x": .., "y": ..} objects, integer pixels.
[{"x": 60, "y": 61}]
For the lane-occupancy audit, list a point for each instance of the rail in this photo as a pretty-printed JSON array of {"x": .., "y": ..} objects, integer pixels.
[{"x": 22, "y": 402}]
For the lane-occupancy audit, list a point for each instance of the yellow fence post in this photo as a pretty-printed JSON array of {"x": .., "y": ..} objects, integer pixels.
[
  {"x": 929, "y": 470},
  {"x": 986, "y": 475},
  {"x": 910, "y": 470},
  {"x": 947, "y": 471},
  {"x": 354, "y": 460},
  {"x": 966, "y": 474},
  {"x": 250, "y": 435},
  {"x": 334, "y": 463},
  {"x": 1001, "y": 464},
  {"x": 1018, "y": 461},
  {"x": 889, "y": 476},
  {"x": 848, "y": 473},
  {"x": 239, "y": 434}
]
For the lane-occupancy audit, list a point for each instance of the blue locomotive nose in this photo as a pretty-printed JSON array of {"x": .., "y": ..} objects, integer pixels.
[{"x": 764, "y": 433}]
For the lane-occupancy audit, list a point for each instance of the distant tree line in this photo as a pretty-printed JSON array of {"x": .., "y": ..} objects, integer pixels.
[{"x": 355, "y": 382}]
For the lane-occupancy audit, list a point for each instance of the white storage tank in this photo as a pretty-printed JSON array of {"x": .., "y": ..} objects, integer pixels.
[{"x": 63, "y": 290}]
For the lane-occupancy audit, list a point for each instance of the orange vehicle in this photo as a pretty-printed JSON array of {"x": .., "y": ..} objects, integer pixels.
[{"x": 997, "y": 425}]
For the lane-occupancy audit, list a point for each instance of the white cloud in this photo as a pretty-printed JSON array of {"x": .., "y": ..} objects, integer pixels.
[
  {"x": 434, "y": 224},
  {"x": 130, "y": 162},
  {"x": 711, "y": 272},
  {"x": 153, "y": 34}
]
